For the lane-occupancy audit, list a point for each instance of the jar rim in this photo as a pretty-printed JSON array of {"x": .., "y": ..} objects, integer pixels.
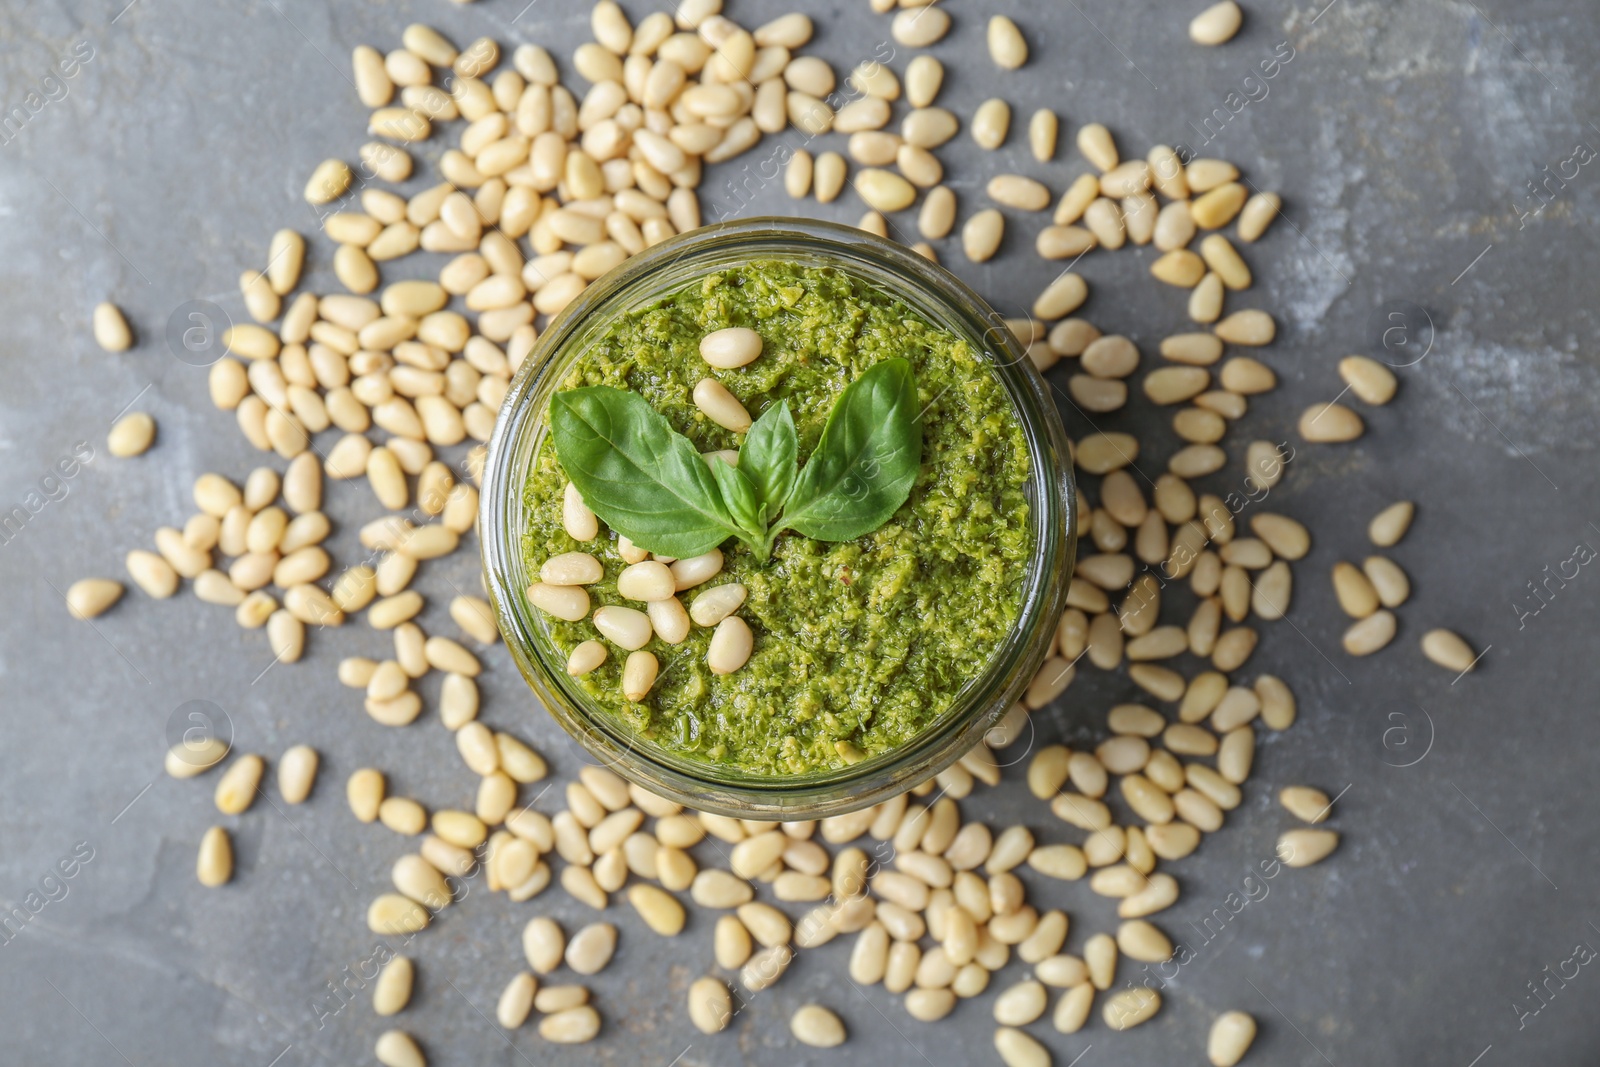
[{"x": 932, "y": 292}]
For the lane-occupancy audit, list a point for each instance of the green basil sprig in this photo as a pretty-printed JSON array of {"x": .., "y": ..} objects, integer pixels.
[{"x": 649, "y": 483}]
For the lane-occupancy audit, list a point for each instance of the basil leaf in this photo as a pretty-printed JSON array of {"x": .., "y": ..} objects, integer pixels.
[
  {"x": 768, "y": 457},
  {"x": 741, "y": 499},
  {"x": 867, "y": 460},
  {"x": 637, "y": 473}
]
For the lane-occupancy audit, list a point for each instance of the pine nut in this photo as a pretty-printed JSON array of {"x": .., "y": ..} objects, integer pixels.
[
  {"x": 1222, "y": 258},
  {"x": 919, "y": 27},
  {"x": 1368, "y": 379},
  {"x": 1047, "y": 771},
  {"x": 392, "y": 990},
  {"x": 1302, "y": 848},
  {"x": 1355, "y": 593},
  {"x": 394, "y": 914},
  {"x": 1061, "y": 297},
  {"x": 1205, "y": 300},
  {"x": 1180, "y": 267},
  {"x": 1129, "y": 1008},
  {"x": 981, "y": 235},
  {"x": 543, "y": 944},
  {"x": 419, "y": 880},
  {"x": 639, "y": 672},
  {"x": 627, "y": 627},
  {"x": 1007, "y": 47},
  {"x": 152, "y": 574},
  {"x": 569, "y": 603},
  {"x": 731, "y": 347},
  {"x": 765, "y": 967},
  {"x": 867, "y": 113},
  {"x": 570, "y": 1026},
  {"x": 1448, "y": 651},
  {"x": 590, "y": 949},
  {"x": 1096, "y": 394},
  {"x": 328, "y": 181},
  {"x": 1247, "y": 376},
  {"x": 1019, "y": 1049},
  {"x": 924, "y": 75},
  {"x": 1063, "y": 242},
  {"x": 1216, "y": 25},
  {"x": 929, "y": 127},
  {"x": 516, "y": 1000},
  {"x": 1257, "y": 215},
  {"x": 1389, "y": 582},
  {"x": 1174, "y": 227},
  {"x": 1014, "y": 190},
  {"x": 1076, "y": 200},
  {"x": 1139, "y": 940},
  {"x": 460, "y": 828},
  {"x": 131, "y": 435},
  {"x": 571, "y": 568},
  {"x": 717, "y": 603},
  {"x": 990, "y": 123},
  {"x": 660, "y": 911},
  {"x": 816, "y": 1026},
  {"x": 214, "y": 865},
  {"x": 885, "y": 191},
  {"x": 1305, "y": 803},
  {"x": 1104, "y": 219},
  {"x": 1065, "y": 862},
  {"x": 1136, "y": 719},
  {"x": 236, "y": 789},
  {"x": 1097, "y": 146},
  {"x": 111, "y": 330},
  {"x": 297, "y": 771},
  {"x": 1390, "y": 524},
  {"x": 1330, "y": 423},
  {"x": 710, "y": 1006},
  {"x": 1216, "y": 208},
  {"x": 474, "y": 616},
  {"x": 1231, "y": 1036},
  {"x": 1370, "y": 634},
  {"x": 396, "y": 1048},
  {"x": 364, "y": 791},
  {"x": 829, "y": 176},
  {"x": 88, "y": 598},
  {"x": 797, "y": 176},
  {"x": 403, "y": 815},
  {"x": 556, "y": 998},
  {"x": 1043, "y": 129}
]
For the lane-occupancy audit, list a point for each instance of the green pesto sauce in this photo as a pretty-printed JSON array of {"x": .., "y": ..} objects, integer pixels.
[{"x": 859, "y": 645}]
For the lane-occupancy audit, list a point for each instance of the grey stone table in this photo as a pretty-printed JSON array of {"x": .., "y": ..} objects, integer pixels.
[{"x": 1403, "y": 137}]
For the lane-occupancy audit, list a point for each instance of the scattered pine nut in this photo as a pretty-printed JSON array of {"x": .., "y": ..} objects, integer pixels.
[
  {"x": 88, "y": 598},
  {"x": 1043, "y": 129},
  {"x": 1230, "y": 1038},
  {"x": 1368, "y": 379},
  {"x": 297, "y": 772},
  {"x": 1448, "y": 651},
  {"x": 990, "y": 123},
  {"x": 214, "y": 867},
  {"x": 1007, "y": 47},
  {"x": 111, "y": 330},
  {"x": 1216, "y": 24},
  {"x": 818, "y": 1027}
]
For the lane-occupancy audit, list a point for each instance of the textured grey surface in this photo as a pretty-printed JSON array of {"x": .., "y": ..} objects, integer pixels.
[{"x": 1401, "y": 137}]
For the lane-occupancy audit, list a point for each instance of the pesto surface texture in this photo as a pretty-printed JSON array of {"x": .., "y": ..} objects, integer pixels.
[{"x": 859, "y": 645}]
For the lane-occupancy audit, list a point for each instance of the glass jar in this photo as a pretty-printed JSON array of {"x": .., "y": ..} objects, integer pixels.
[{"x": 659, "y": 271}]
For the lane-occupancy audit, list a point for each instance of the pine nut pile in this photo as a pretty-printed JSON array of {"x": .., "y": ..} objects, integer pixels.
[{"x": 400, "y": 379}]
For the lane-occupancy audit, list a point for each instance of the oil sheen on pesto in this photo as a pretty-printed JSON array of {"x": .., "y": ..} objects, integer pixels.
[{"x": 859, "y": 645}]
